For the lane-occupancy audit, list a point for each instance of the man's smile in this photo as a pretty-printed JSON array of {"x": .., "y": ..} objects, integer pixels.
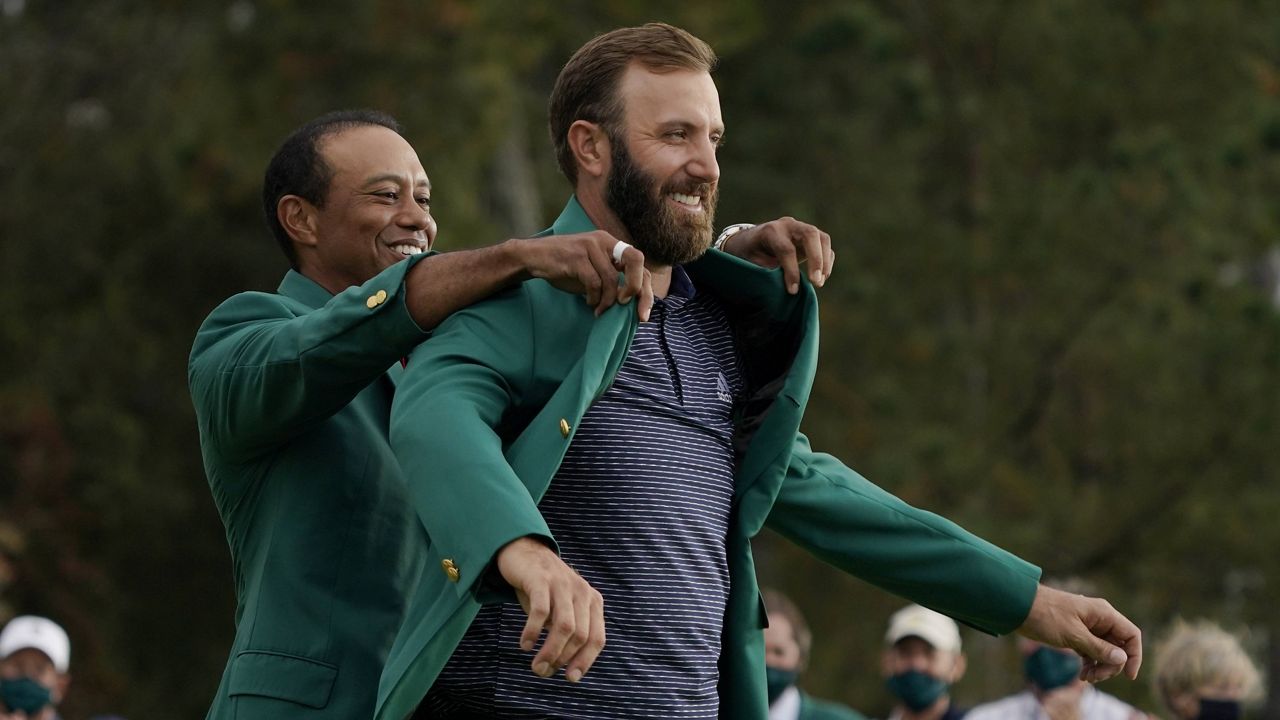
[
  {"x": 692, "y": 203},
  {"x": 408, "y": 248}
]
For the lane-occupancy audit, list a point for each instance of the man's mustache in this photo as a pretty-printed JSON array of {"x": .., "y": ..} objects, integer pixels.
[{"x": 702, "y": 189}]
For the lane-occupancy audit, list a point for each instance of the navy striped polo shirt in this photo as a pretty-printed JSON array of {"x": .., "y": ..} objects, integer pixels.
[{"x": 640, "y": 508}]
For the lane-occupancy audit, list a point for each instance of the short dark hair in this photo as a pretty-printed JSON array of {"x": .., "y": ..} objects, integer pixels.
[
  {"x": 298, "y": 167},
  {"x": 779, "y": 605},
  {"x": 587, "y": 87}
]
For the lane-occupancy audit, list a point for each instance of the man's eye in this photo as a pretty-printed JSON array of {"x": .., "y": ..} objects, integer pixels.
[
  {"x": 389, "y": 195},
  {"x": 677, "y": 134},
  {"x": 424, "y": 202}
]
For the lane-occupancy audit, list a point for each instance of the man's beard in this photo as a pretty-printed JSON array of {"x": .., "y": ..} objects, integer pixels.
[{"x": 665, "y": 235}]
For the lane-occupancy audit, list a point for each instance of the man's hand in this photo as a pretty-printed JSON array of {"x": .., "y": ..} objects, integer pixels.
[
  {"x": 582, "y": 263},
  {"x": 1107, "y": 641},
  {"x": 786, "y": 242},
  {"x": 556, "y": 598}
]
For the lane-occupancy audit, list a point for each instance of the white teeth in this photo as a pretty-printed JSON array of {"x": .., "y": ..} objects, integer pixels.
[
  {"x": 686, "y": 199},
  {"x": 407, "y": 250}
]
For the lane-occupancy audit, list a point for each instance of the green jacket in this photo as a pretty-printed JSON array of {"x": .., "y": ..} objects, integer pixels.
[
  {"x": 812, "y": 708},
  {"x": 293, "y": 398},
  {"x": 483, "y": 415}
]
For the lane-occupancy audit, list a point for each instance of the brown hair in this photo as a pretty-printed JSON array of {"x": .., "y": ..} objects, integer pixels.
[
  {"x": 779, "y": 605},
  {"x": 587, "y": 87}
]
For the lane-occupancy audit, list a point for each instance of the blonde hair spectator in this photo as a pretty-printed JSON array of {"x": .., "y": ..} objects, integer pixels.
[{"x": 1202, "y": 671}]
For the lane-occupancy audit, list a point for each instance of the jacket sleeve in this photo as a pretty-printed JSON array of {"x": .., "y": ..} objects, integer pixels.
[
  {"x": 856, "y": 526},
  {"x": 262, "y": 371},
  {"x": 449, "y": 403}
]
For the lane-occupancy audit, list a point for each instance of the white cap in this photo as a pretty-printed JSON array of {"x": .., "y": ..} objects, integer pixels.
[
  {"x": 43, "y": 634},
  {"x": 934, "y": 628}
]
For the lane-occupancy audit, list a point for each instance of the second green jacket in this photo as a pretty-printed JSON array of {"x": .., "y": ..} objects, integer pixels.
[{"x": 483, "y": 415}]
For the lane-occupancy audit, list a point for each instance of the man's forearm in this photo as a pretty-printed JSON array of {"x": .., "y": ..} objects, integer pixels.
[
  {"x": 442, "y": 284},
  {"x": 582, "y": 263}
]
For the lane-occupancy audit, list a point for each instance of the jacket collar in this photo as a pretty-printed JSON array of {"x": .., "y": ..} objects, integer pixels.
[
  {"x": 573, "y": 219},
  {"x": 297, "y": 286},
  {"x": 728, "y": 273}
]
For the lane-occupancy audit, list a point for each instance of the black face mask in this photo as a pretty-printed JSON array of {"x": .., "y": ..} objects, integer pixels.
[
  {"x": 916, "y": 690},
  {"x": 24, "y": 694},
  {"x": 1050, "y": 669},
  {"x": 778, "y": 680},
  {"x": 1218, "y": 709}
]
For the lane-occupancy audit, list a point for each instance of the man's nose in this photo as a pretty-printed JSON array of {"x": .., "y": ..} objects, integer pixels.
[
  {"x": 704, "y": 166},
  {"x": 414, "y": 215}
]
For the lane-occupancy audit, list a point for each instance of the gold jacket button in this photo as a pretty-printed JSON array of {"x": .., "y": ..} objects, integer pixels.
[
  {"x": 376, "y": 299},
  {"x": 564, "y": 427},
  {"x": 450, "y": 570}
]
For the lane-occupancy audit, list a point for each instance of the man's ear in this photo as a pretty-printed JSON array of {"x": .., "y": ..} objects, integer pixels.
[
  {"x": 298, "y": 217},
  {"x": 60, "y": 687},
  {"x": 590, "y": 146}
]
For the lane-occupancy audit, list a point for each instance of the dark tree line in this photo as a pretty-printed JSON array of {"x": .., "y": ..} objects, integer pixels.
[{"x": 1054, "y": 317}]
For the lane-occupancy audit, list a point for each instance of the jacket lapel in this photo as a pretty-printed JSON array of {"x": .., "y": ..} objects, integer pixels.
[
  {"x": 760, "y": 289},
  {"x": 608, "y": 340},
  {"x": 760, "y": 297}
]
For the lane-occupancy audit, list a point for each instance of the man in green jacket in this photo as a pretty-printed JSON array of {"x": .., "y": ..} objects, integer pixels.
[
  {"x": 787, "y": 645},
  {"x": 293, "y": 391},
  {"x": 534, "y": 434}
]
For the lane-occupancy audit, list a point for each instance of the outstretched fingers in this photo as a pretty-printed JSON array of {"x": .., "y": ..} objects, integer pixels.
[
  {"x": 575, "y": 620},
  {"x": 593, "y": 643},
  {"x": 1108, "y": 641},
  {"x": 787, "y": 243},
  {"x": 558, "y": 600},
  {"x": 602, "y": 276},
  {"x": 1116, "y": 643}
]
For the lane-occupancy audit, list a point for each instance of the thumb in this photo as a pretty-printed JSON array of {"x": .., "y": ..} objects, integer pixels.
[{"x": 1099, "y": 650}]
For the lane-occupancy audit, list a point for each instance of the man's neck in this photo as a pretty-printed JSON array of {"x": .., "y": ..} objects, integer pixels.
[{"x": 598, "y": 211}]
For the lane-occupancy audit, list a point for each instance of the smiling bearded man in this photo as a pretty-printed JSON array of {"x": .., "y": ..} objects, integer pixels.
[
  {"x": 649, "y": 454},
  {"x": 666, "y": 235}
]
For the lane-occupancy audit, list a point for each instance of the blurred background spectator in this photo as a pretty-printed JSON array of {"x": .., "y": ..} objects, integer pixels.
[
  {"x": 1201, "y": 672},
  {"x": 35, "y": 655},
  {"x": 920, "y": 662},
  {"x": 787, "y": 642},
  {"x": 1054, "y": 692}
]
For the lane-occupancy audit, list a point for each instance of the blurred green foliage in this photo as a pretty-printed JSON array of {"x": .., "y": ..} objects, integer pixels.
[{"x": 1054, "y": 317}]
